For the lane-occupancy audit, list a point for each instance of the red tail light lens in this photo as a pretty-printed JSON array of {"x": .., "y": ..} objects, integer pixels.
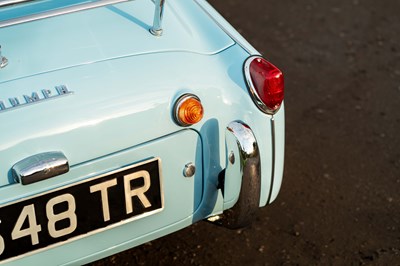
[{"x": 266, "y": 84}]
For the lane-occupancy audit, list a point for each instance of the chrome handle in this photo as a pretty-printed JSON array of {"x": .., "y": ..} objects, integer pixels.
[{"x": 40, "y": 167}]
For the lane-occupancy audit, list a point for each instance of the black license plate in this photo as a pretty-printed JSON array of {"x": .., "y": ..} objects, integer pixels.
[{"x": 84, "y": 208}]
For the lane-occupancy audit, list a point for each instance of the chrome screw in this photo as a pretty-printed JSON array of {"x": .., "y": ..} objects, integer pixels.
[
  {"x": 190, "y": 170},
  {"x": 232, "y": 158}
]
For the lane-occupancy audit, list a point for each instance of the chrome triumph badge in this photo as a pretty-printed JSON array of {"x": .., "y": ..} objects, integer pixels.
[
  {"x": 35, "y": 97},
  {"x": 3, "y": 60}
]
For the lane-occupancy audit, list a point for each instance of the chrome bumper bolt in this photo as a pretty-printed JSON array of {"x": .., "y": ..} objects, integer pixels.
[
  {"x": 190, "y": 170},
  {"x": 231, "y": 157}
]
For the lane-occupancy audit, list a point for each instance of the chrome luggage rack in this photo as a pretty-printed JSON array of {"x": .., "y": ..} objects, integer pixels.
[{"x": 155, "y": 30}]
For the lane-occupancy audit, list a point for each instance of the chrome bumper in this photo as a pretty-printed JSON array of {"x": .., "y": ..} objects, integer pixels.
[{"x": 242, "y": 179}]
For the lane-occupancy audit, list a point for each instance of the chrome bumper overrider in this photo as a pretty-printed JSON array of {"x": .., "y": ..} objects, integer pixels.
[{"x": 242, "y": 182}]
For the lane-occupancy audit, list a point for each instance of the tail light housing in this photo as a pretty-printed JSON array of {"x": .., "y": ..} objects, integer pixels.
[{"x": 266, "y": 84}]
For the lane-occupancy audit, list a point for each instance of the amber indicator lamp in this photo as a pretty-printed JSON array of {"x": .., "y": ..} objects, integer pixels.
[{"x": 188, "y": 110}]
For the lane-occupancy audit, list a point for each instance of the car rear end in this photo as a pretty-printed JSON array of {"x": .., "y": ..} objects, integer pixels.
[{"x": 93, "y": 158}]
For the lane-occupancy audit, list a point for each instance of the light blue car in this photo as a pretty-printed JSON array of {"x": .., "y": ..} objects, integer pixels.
[{"x": 123, "y": 121}]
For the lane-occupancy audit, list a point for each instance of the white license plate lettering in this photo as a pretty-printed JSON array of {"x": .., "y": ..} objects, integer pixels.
[
  {"x": 103, "y": 188},
  {"x": 69, "y": 215},
  {"x": 136, "y": 191},
  {"x": 33, "y": 229},
  {"x": 2, "y": 246}
]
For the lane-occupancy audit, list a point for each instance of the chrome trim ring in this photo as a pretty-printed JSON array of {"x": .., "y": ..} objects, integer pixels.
[{"x": 254, "y": 95}]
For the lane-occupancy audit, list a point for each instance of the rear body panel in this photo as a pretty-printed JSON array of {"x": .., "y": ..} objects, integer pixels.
[
  {"x": 123, "y": 83},
  {"x": 177, "y": 191}
]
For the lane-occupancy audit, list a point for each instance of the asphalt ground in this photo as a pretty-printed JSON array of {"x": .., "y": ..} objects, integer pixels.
[{"x": 340, "y": 201}]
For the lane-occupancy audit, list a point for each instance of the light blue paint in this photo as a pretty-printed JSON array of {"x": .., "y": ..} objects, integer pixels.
[
  {"x": 106, "y": 33},
  {"x": 125, "y": 82},
  {"x": 279, "y": 152}
]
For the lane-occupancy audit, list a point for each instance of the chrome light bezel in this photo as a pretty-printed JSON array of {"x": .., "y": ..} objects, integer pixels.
[{"x": 250, "y": 85}]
